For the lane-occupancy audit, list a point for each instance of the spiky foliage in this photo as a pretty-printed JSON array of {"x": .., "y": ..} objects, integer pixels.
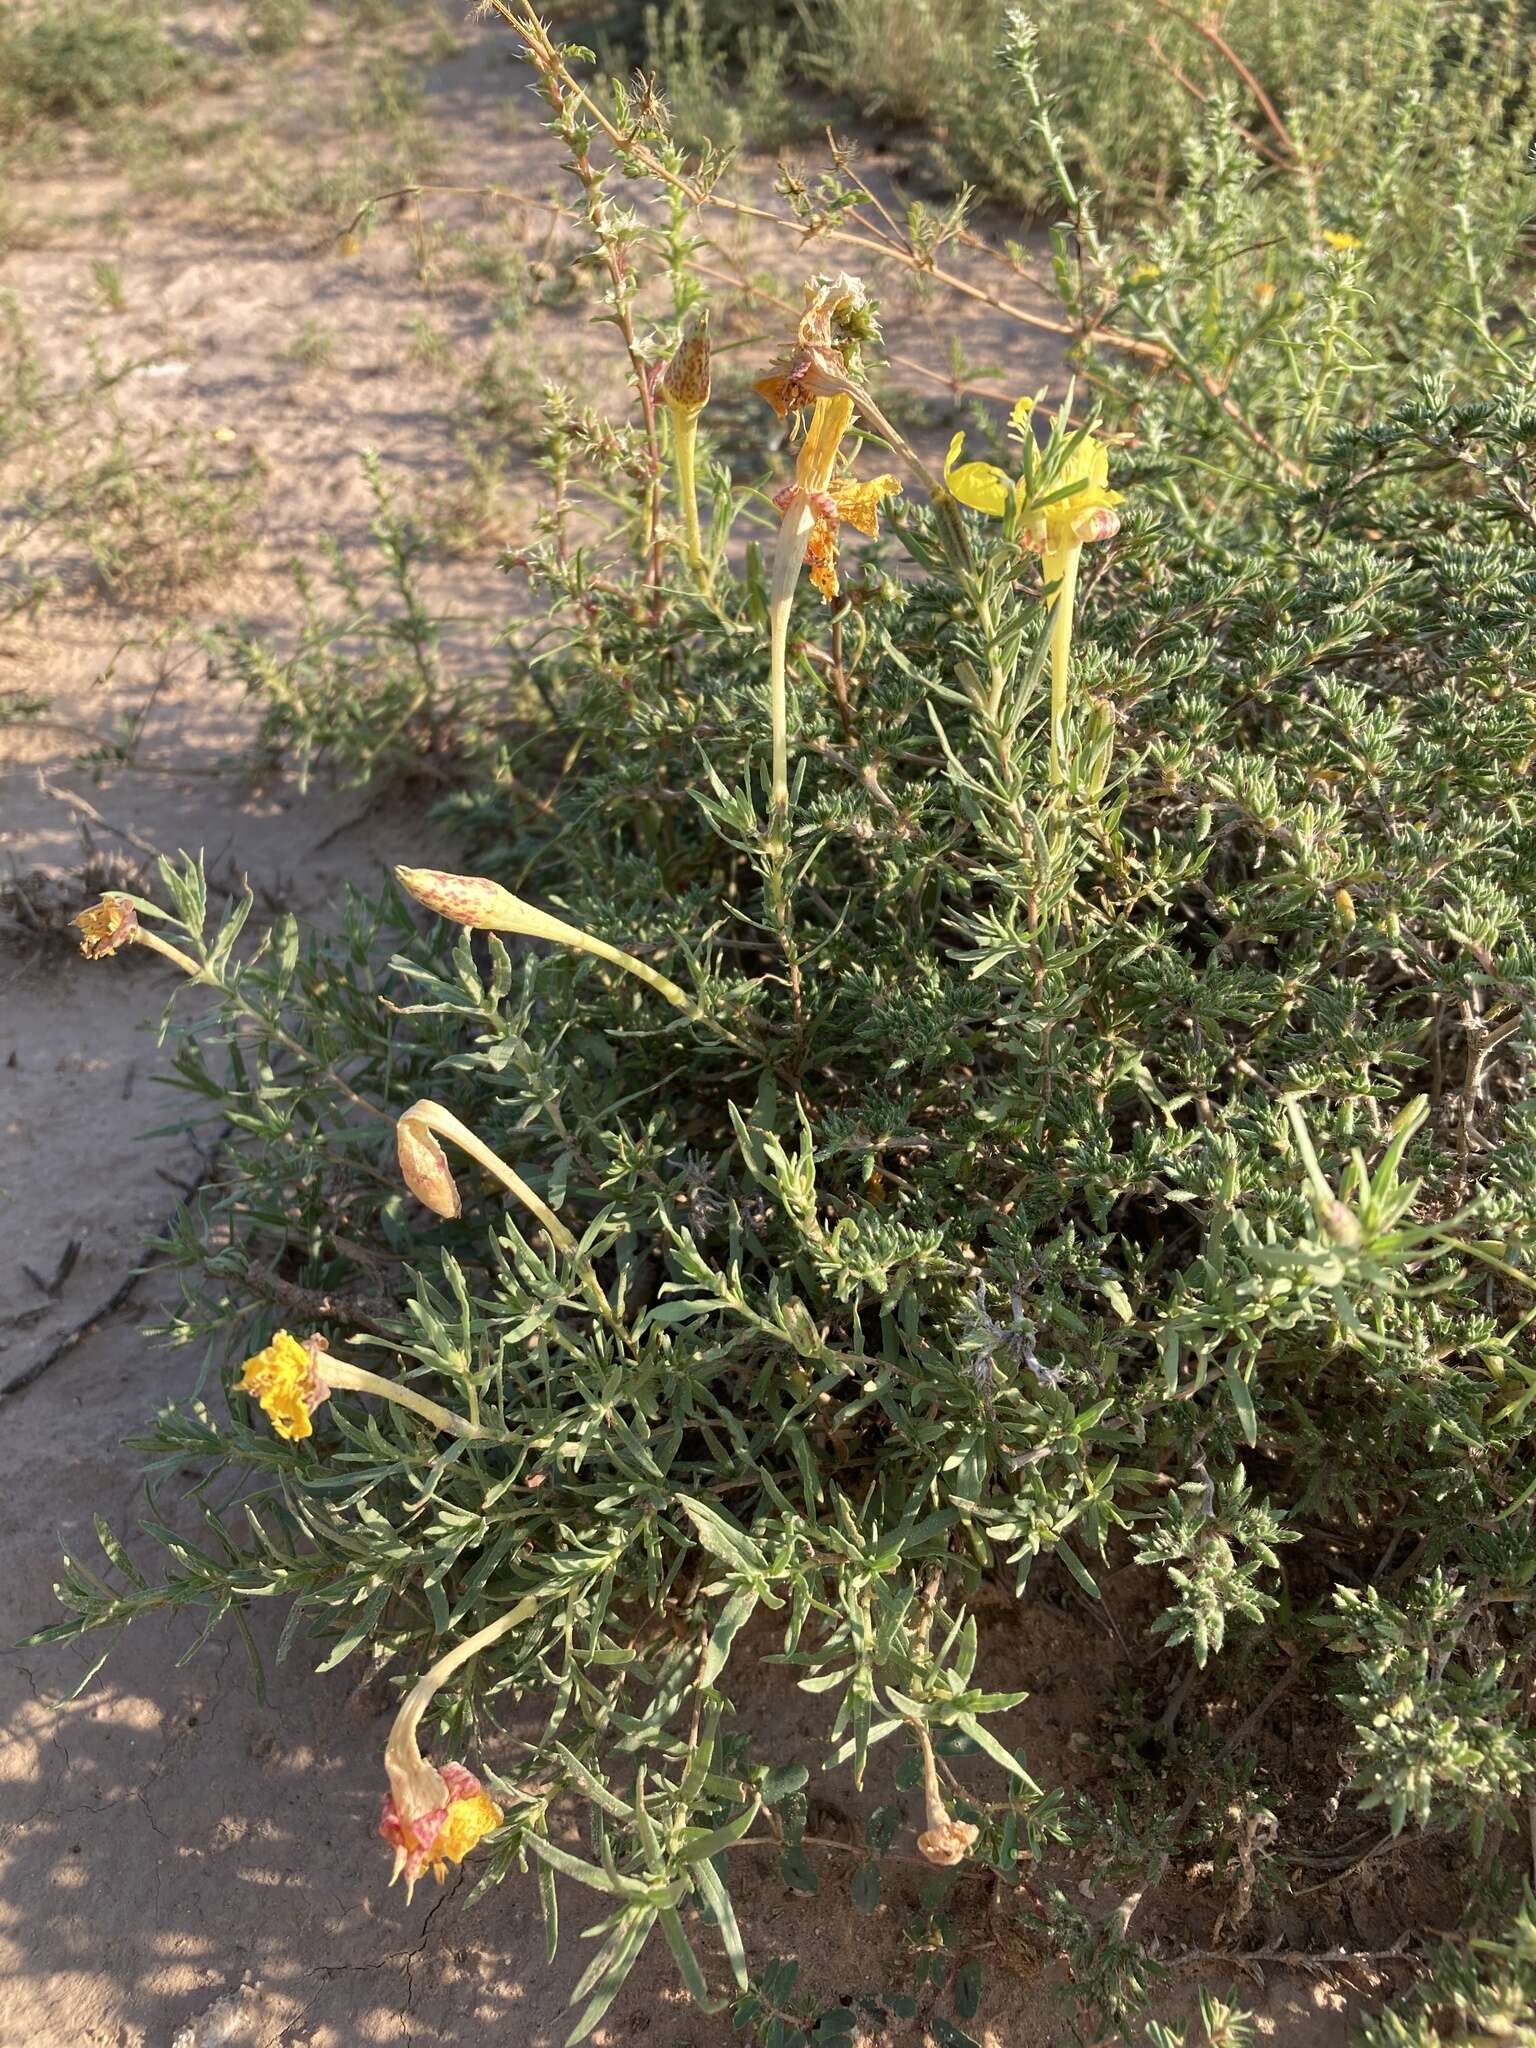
[{"x": 1039, "y": 1165}]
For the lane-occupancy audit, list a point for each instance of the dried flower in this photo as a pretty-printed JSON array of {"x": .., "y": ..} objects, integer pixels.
[
  {"x": 820, "y": 364},
  {"x": 943, "y": 1841},
  {"x": 288, "y": 1381},
  {"x": 829, "y": 500},
  {"x": 111, "y": 923}
]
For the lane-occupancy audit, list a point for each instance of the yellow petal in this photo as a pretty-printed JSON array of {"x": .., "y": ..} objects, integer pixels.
[
  {"x": 830, "y": 420},
  {"x": 859, "y": 503},
  {"x": 981, "y": 485}
]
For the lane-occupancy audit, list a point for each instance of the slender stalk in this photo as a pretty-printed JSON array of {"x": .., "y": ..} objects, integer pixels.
[
  {"x": 685, "y": 435},
  {"x": 337, "y": 1373},
  {"x": 1061, "y": 660},
  {"x": 788, "y": 559}
]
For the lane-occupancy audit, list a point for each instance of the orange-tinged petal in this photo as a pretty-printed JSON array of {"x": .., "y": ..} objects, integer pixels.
[{"x": 821, "y": 556}]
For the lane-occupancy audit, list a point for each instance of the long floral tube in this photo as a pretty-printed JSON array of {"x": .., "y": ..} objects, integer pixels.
[
  {"x": 486, "y": 906},
  {"x": 433, "y": 1817},
  {"x": 290, "y": 1379}
]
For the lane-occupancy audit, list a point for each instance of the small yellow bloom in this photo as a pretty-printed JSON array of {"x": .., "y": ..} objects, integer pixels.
[
  {"x": 1337, "y": 238},
  {"x": 287, "y": 1381},
  {"x": 1082, "y": 507},
  {"x": 111, "y": 923},
  {"x": 224, "y": 435}
]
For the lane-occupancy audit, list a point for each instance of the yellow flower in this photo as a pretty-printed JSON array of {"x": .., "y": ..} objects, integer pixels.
[
  {"x": 1337, "y": 238},
  {"x": 111, "y": 923},
  {"x": 287, "y": 1381},
  {"x": 831, "y": 501},
  {"x": 1081, "y": 507}
]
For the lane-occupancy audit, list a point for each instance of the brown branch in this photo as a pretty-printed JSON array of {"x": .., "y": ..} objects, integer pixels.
[{"x": 1209, "y": 30}]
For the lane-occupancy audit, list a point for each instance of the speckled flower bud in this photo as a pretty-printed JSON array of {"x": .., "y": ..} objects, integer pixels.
[
  {"x": 484, "y": 905},
  {"x": 685, "y": 381}
]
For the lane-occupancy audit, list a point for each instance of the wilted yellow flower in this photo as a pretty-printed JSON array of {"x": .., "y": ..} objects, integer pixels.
[
  {"x": 435, "y": 1817},
  {"x": 830, "y": 500},
  {"x": 111, "y": 923},
  {"x": 286, "y": 1378},
  {"x": 441, "y": 1834}
]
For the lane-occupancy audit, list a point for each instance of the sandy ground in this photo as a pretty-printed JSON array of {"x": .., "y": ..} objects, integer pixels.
[{"x": 183, "y": 1862}]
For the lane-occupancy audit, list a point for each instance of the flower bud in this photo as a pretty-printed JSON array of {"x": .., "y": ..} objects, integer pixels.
[
  {"x": 685, "y": 381},
  {"x": 485, "y": 906},
  {"x": 424, "y": 1167}
]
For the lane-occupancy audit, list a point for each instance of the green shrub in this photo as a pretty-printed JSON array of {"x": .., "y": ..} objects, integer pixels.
[
  {"x": 85, "y": 60},
  {"x": 1077, "y": 1119}
]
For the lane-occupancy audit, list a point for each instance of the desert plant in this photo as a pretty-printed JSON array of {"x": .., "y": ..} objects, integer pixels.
[{"x": 998, "y": 1073}]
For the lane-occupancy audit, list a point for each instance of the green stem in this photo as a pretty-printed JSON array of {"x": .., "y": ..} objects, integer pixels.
[
  {"x": 1061, "y": 661},
  {"x": 685, "y": 434}
]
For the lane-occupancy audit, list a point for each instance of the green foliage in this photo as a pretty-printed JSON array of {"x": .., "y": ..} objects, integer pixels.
[
  {"x": 1438, "y": 1735},
  {"x": 367, "y": 683},
  {"x": 1485, "y": 1992},
  {"x": 84, "y": 61},
  {"x": 1025, "y": 1170},
  {"x": 275, "y": 26}
]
